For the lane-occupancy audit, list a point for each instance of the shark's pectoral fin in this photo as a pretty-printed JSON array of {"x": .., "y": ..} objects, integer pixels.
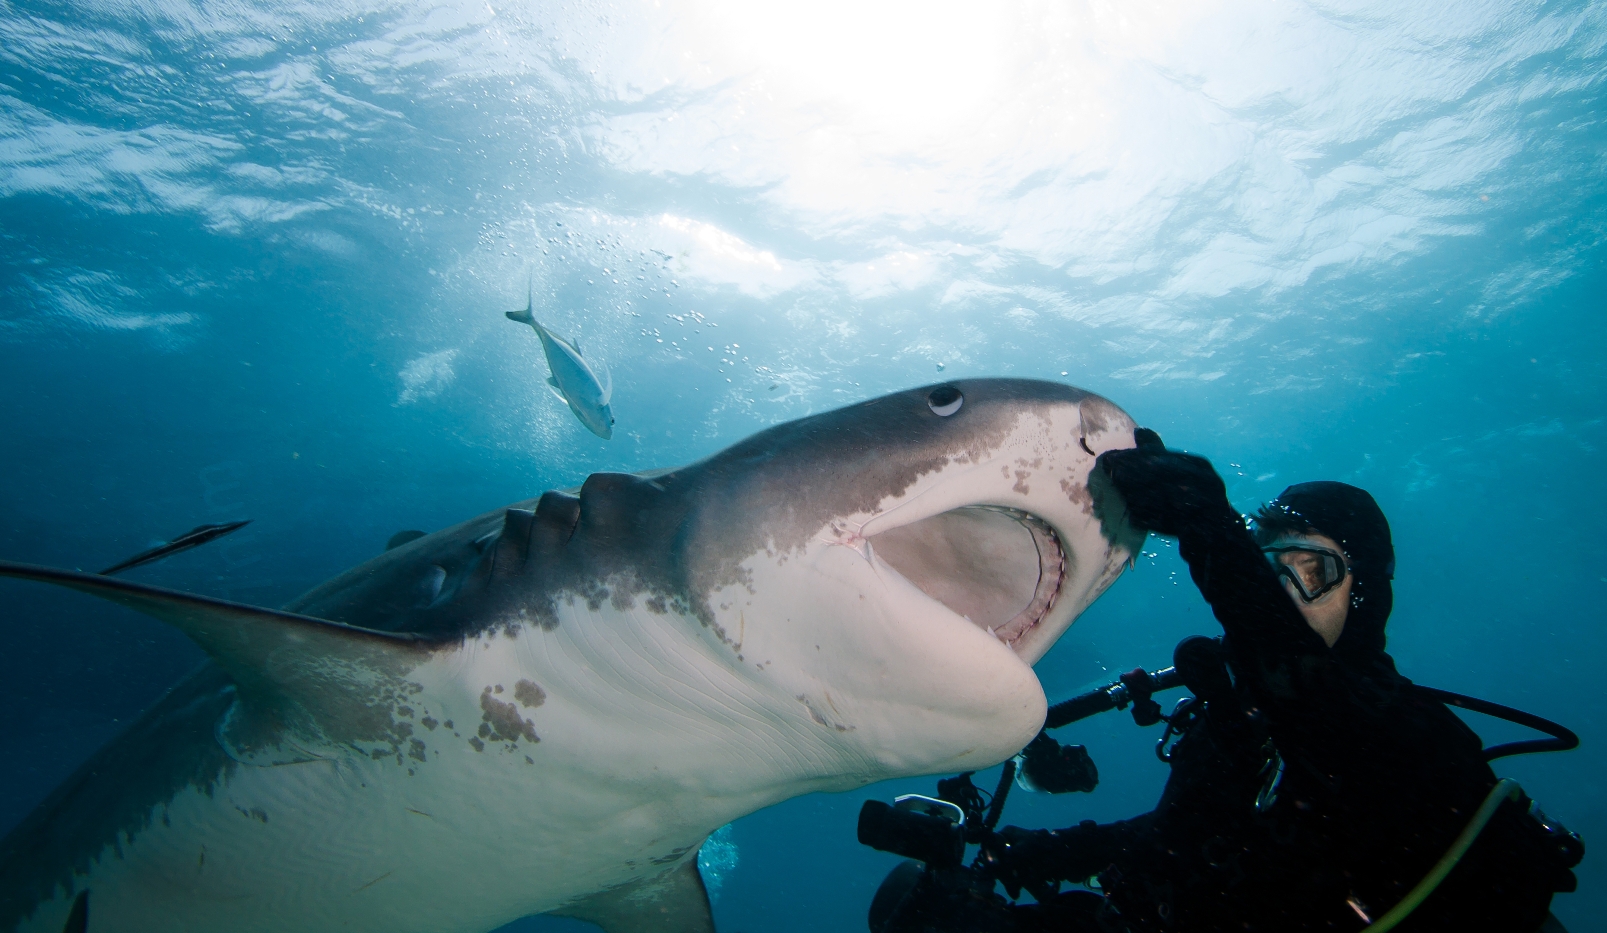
[
  {"x": 674, "y": 902},
  {"x": 307, "y": 686},
  {"x": 552, "y": 383}
]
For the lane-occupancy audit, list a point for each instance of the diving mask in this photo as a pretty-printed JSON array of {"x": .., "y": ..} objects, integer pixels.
[{"x": 1313, "y": 570}]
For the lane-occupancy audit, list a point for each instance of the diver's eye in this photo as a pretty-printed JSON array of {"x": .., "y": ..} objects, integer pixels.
[{"x": 945, "y": 400}]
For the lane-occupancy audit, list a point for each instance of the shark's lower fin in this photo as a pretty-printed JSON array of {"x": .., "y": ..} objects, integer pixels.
[
  {"x": 523, "y": 316},
  {"x": 674, "y": 902}
]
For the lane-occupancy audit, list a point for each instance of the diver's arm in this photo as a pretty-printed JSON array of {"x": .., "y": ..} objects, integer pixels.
[
  {"x": 1268, "y": 640},
  {"x": 1180, "y": 495}
]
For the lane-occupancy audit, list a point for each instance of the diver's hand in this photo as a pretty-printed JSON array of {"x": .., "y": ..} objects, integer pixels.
[
  {"x": 1039, "y": 859},
  {"x": 1166, "y": 491},
  {"x": 1022, "y": 858}
]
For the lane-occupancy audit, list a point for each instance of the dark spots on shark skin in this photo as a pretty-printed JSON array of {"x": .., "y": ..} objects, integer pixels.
[
  {"x": 529, "y": 694},
  {"x": 674, "y": 855},
  {"x": 1021, "y": 482},
  {"x": 429, "y": 722},
  {"x": 405, "y": 712},
  {"x": 416, "y": 750},
  {"x": 372, "y": 883},
  {"x": 255, "y": 813},
  {"x": 497, "y": 689},
  {"x": 479, "y": 746},
  {"x": 448, "y": 724},
  {"x": 818, "y": 717},
  {"x": 655, "y": 605},
  {"x": 529, "y": 760},
  {"x": 1078, "y": 494},
  {"x": 502, "y": 721}
]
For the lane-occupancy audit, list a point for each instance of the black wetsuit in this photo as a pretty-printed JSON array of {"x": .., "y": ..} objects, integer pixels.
[{"x": 1377, "y": 781}]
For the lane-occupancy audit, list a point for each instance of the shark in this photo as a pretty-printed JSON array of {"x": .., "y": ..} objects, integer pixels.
[
  {"x": 548, "y": 707},
  {"x": 585, "y": 387}
]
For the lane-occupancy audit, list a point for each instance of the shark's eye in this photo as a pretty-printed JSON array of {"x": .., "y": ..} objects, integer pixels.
[{"x": 945, "y": 400}]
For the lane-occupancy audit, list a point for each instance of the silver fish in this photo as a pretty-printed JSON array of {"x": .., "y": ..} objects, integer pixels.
[{"x": 582, "y": 385}]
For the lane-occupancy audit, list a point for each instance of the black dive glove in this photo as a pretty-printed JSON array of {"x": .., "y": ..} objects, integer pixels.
[
  {"x": 1039, "y": 859},
  {"x": 1167, "y": 492}
]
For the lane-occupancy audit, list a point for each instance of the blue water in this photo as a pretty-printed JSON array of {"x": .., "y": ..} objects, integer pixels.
[{"x": 255, "y": 259}]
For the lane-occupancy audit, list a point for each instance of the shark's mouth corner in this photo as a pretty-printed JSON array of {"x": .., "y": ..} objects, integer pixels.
[{"x": 1000, "y": 568}]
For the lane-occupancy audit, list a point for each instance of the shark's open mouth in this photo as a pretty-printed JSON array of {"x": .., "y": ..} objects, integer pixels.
[{"x": 1001, "y": 568}]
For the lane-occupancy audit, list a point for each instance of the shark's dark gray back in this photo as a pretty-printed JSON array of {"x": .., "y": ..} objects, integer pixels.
[{"x": 669, "y": 538}]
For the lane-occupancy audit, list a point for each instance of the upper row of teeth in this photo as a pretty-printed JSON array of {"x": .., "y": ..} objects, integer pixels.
[{"x": 1060, "y": 568}]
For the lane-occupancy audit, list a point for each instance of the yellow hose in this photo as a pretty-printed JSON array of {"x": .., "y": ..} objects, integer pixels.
[{"x": 1504, "y": 790}]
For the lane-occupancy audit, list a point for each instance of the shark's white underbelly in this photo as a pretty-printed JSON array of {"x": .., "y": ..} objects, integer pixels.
[
  {"x": 472, "y": 833},
  {"x": 358, "y": 846}
]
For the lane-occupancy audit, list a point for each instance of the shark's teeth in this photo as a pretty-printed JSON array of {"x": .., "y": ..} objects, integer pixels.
[{"x": 1051, "y": 574}]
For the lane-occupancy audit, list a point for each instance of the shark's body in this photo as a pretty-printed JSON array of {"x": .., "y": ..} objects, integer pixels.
[
  {"x": 547, "y": 708},
  {"x": 585, "y": 387}
]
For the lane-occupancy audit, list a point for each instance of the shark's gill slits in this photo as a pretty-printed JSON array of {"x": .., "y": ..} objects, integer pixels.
[{"x": 1000, "y": 568}]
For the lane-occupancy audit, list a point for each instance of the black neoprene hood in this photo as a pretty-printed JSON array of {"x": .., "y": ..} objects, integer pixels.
[{"x": 1351, "y": 517}]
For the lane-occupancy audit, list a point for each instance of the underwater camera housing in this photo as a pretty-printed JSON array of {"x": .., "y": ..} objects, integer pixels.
[
  {"x": 926, "y": 829},
  {"x": 932, "y": 889}
]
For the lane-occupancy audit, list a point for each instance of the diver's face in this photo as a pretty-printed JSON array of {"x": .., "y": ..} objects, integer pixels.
[{"x": 1325, "y": 614}]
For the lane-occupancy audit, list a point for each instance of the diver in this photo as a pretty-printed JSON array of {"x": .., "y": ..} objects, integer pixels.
[{"x": 1310, "y": 789}]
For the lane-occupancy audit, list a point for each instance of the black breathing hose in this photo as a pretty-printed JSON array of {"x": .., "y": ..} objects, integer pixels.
[
  {"x": 1562, "y": 738},
  {"x": 1117, "y": 695}
]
